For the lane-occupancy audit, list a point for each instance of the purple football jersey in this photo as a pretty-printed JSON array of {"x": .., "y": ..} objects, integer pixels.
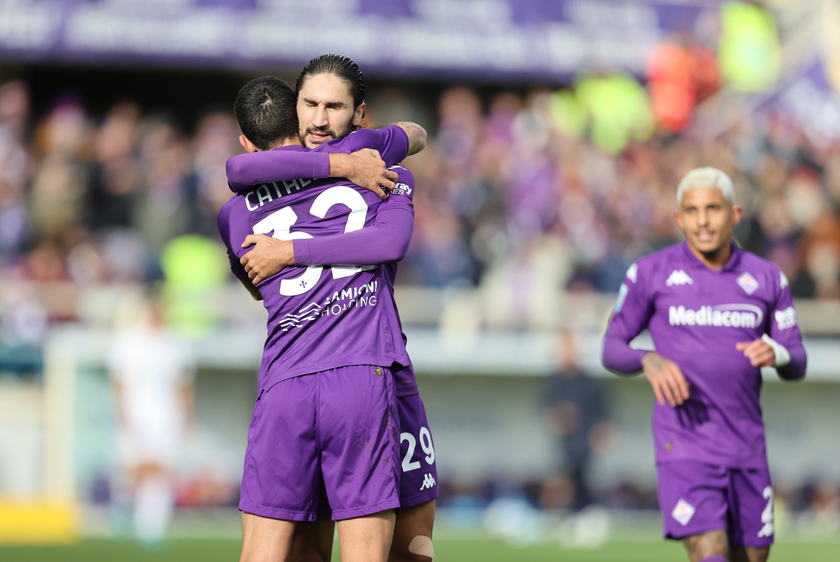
[
  {"x": 695, "y": 317},
  {"x": 319, "y": 317}
]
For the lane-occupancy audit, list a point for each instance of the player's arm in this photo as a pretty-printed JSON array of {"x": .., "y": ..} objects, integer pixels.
[
  {"x": 385, "y": 241},
  {"x": 416, "y": 136},
  {"x": 364, "y": 167},
  {"x": 632, "y": 312},
  {"x": 223, "y": 222},
  {"x": 781, "y": 347}
]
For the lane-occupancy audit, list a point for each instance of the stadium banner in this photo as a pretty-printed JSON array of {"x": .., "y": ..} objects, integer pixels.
[{"x": 489, "y": 39}]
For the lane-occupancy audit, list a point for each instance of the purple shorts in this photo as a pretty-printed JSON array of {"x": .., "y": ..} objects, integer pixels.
[
  {"x": 332, "y": 432},
  {"x": 696, "y": 498},
  {"x": 418, "y": 483}
]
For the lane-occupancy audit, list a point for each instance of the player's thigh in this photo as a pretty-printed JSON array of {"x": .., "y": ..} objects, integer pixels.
[
  {"x": 366, "y": 538},
  {"x": 413, "y": 534},
  {"x": 706, "y": 545},
  {"x": 313, "y": 541},
  {"x": 282, "y": 475},
  {"x": 693, "y": 498},
  {"x": 751, "y": 506},
  {"x": 358, "y": 432},
  {"x": 418, "y": 465},
  {"x": 265, "y": 539},
  {"x": 749, "y": 554}
]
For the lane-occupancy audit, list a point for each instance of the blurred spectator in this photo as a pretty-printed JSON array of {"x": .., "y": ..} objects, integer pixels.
[
  {"x": 153, "y": 391},
  {"x": 578, "y": 416},
  {"x": 520, "y": 197}
]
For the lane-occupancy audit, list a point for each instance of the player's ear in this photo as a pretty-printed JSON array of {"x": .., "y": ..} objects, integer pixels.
[
  {"x": 359, "y": 115},
  {"x": 737, "y": 214},
  {"x": 678, "y": 218},
  {"x": 246, "y": 144}
]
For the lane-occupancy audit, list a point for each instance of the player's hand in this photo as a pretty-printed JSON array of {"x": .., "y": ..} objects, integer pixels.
[
  {"x": 268, "y": 256},
  {"x": 758, "y": 352},
  {"x": 366, "y": 169},
  {"x": 668, "y": 382}
]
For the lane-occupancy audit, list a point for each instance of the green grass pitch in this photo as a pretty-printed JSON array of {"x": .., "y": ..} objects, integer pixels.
[{"x": 464, "y": 549}]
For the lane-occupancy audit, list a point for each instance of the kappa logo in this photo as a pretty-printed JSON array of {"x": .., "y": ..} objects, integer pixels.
[
  {"x": 783, "y": 280},
  {"x": 679, "y": 277},
  {"x": 428, "y": 482},
  {"x": 633, "y": 272},
  {"x": 748, "y": 283},
  {"x": 683, "y": 512}
]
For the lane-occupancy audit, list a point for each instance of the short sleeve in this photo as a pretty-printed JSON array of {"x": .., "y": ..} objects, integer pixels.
[
  {"x": 783, "y": 324},
  {"x": 633, "y": 307}
]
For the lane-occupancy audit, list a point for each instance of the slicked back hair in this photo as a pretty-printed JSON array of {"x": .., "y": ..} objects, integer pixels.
[
  {"x": 266, "y": 110},
  {"x": 706, "y": 177},
  {"x": 340, "y": 66}
]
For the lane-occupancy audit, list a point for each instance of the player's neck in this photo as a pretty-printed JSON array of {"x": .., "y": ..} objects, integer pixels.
[
  {"x": 291, "y": 141},
  {"x": 716, "y": 259}
]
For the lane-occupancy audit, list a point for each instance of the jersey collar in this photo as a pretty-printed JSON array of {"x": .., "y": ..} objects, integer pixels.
[
  {"x": 290, "y": 148},
  {"x": 695, "y": 263}
]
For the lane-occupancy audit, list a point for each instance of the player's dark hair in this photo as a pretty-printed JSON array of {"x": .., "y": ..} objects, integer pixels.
[
  {"x": 340, "y": 66},
  {"x": 266, "y": 110}
]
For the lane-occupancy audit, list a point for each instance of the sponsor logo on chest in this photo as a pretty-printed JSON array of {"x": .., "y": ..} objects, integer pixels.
[{"x": 737, "y": 315}]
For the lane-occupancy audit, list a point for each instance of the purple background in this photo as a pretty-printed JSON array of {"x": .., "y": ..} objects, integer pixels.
[{"x": 548, "y": 39}]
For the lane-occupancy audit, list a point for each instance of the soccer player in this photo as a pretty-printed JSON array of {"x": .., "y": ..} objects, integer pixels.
[
  {"x": 326, "y": 407},
  {"x": 154, "y": 397},
  {"x": 330, "y": 106},
  {"x": 717, "y": 314}
]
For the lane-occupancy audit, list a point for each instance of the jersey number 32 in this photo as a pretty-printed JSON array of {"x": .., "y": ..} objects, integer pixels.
[{"x": 282, "y": 221}]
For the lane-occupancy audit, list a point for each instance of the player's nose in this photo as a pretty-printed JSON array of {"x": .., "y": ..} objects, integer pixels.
[{"x": 319, "y": 118}]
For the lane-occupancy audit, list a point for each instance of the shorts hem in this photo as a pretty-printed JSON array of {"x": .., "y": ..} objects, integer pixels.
[
  {"x": 763, "y": 545},
  {"x": 271, "y": 513},
  {"x": 700, "y": 531},
  {"x": 340, "y": 514},
  {"x": 419, "y": 498}
]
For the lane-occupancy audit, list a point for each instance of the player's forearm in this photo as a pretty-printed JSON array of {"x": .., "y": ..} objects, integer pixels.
[
  {"x": 416, "y": 136},
  {"x": 619, "y": 358},
  {"x": 386, "y": 241},
  {"x": 795, "y": 370},
  {"x": 247, "y": 170}
]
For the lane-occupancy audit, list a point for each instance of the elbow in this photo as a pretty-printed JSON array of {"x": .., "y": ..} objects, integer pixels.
[
  {"x": 397, "y": 252},
  {"x": 422, "y": 136},
  {"x": 791, "y": 375},
  {"x": 233, "y": 170}
]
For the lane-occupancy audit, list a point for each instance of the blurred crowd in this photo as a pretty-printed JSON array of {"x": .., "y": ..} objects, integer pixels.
[
  {"x": 508, "y": 199},
  {"x": 504, "y": 193}
]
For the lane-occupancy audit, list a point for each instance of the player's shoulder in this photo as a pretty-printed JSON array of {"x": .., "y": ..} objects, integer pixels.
[
  {"x": 763, "y": 269},
  {"x": 404, "y": 174},
  {"x": 362, "y": 138},
  {"x": 645, "y": 268}
]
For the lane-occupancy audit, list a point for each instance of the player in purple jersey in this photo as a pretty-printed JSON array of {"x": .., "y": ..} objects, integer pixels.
[
  {"x": 335, "y": 88},
  {"x": 333, "y": 108},
  {"x": 326, "y": 410},
  {"x": 716, "y": 315}
]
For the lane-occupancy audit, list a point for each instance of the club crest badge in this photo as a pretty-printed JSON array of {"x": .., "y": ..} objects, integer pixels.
[
  {"x": 748, "y": 283},
  {"x": 683, "y": 512}
]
